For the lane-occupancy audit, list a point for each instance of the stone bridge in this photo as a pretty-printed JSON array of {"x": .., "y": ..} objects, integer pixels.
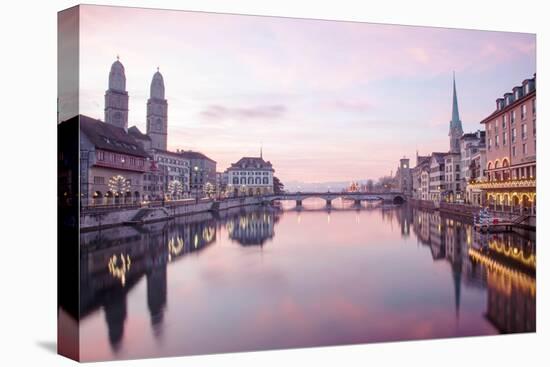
[{"x": 357, "y": 197}]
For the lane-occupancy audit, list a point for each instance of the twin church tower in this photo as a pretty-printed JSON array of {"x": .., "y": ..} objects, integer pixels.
[{"x": 116, "y": 105}]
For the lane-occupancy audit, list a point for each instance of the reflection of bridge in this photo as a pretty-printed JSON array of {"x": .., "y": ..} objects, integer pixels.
[{"x": 357, "y": 197}]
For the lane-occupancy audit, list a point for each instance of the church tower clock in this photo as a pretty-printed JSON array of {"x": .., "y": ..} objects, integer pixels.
[
  {"x": 157, "y": 114},
  {"x": 116, "y": 97}
]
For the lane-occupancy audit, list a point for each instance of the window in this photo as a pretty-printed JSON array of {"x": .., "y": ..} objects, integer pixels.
[
  {"x": 504, "y": 121},
  {"x": 524, "y": 148},
  {"x": 496, "y": 127},
  {"x": 235, "y": 180},
  {"x": 489, "y": 144},
  {"x": 523, "y": 111},
  {"x": 100, "y": 155},
  {"x": 265, "y": 181},
  {"x": 513, "y": 116},
  {"x": 504, "y": 138},
  {"x": 513, "y": 151},
  {"x": 524, "y": 131},
  {"x": 496, "y": 141},
  {"x": 99, "y": 180},
  {"x": 514, "y": 135}
]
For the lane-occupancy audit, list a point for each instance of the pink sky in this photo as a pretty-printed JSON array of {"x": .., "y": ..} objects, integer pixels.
[{"x": 329, "y": 101}]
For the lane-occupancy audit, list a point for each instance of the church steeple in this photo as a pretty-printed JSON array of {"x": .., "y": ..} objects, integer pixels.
[
  {"x": 455, "y": 125},
  {"x": 157, "y": 113},
  {"x": 116, "y": 97}
]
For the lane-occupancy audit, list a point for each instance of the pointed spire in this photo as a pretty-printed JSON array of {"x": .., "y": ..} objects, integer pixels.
[
  {"x": 455, "y": 116},
  {"x": 261, "y": 150}
]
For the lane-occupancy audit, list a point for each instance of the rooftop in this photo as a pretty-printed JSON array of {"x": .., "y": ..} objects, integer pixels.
[
  {"x": 252, "y": 162},
  {"x": 109, "y": 137}
]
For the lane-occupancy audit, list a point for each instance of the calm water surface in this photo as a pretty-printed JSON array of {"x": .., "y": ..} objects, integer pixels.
[{"x": 264, "y": 278}]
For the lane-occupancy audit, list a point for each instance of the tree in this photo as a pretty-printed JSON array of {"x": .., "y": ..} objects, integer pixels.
[
  {"x": 119, "y": 184},
  {"x": 209, "y": 189},
  {"x": 175, "y": 188},
  {"x": 278, "y": 186}
]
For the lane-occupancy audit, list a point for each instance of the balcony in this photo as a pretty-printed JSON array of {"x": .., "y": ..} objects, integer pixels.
[{"x": 522, "y": 183}]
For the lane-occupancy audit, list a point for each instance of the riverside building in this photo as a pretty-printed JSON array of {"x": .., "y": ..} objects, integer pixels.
[{"x": 510, "y": 180}]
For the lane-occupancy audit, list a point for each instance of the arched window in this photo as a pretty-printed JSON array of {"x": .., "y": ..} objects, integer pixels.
[
  {"x": 243, "y": 180},
  {"x": 258, "y": 180},
  {"x": 251, "y": 180},
  {"x": 235, "y": 180},
  {"x": 266, "y": 181}
]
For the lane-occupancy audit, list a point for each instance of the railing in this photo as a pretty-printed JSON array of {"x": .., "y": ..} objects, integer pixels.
[{"x": 517, "y": 183}]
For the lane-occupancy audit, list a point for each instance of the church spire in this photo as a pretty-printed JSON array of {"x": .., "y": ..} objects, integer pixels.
[
  {"x": 455, "y": 116},
  {"x": 455, "y": 125}
]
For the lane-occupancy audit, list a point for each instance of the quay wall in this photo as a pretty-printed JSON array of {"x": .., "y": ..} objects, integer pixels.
[
  {"x": 92, "y": 219},
  {"x": 423, "y": 204}
]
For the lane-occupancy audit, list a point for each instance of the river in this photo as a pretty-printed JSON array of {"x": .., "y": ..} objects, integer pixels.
[{"x": 256, "y": 278}]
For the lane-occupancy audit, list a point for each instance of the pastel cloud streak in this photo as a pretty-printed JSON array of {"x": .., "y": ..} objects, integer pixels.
[{"x": 328, "y": 100}]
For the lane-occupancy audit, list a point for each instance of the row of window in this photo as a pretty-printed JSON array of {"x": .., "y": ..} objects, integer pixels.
[
  {"x": 257, "y": 173},
  {"x": 251, "y": 181},
  {"x": 449, "y": 168},
  {"x": 175, "y": 169},
  {"x": 177, "y": 162},
  {"x": 512, "y": 115},
  {"x": 505, "y": 136},
  {"x": 119, "y": 159},
  {"x": 516, "y": 173}
]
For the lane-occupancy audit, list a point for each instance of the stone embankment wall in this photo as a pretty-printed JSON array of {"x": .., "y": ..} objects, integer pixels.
[{"x": 109, "y": 217}]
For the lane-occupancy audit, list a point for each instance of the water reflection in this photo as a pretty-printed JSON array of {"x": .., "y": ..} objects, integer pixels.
[{"x": 492, "y": 280}]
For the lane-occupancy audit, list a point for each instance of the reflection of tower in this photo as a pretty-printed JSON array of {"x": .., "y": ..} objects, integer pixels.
[
  {"x": 457, "y": 282},
  {"x": 115, "y": 314},
  {"x": 156, "y": 296},
  {"x": 116, "y": 97},
  {"x": 405, "y": 218}
]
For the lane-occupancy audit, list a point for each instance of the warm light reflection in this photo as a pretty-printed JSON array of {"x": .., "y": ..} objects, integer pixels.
[
  {"x": 119, "y": 266},
  {"x": 174, "y": 247},
  {"x": 513, "y": 252},
  {"x": 524, "y": 281}
]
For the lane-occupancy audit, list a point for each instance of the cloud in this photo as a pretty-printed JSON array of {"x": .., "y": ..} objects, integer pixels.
[{"x": 220, "y": 113}]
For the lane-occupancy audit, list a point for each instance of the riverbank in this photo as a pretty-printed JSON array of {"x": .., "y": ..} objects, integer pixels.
[
  {"x": 469, "y": 212},
  {"x": 92, "y": 219}
]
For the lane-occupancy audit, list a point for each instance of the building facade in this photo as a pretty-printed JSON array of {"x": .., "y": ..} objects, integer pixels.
[
  {"x": 453, "y": 190},
  {"x": 420, "y": 177},
  {"x": 202, "y": 171},
  {"x": 168, "y": 176},
  {"x": 437, "y": 177},
  {"x": 112, "y": 163},
  {"x": 250, "y": 176},
  {"x": 510, "y": 182}
]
